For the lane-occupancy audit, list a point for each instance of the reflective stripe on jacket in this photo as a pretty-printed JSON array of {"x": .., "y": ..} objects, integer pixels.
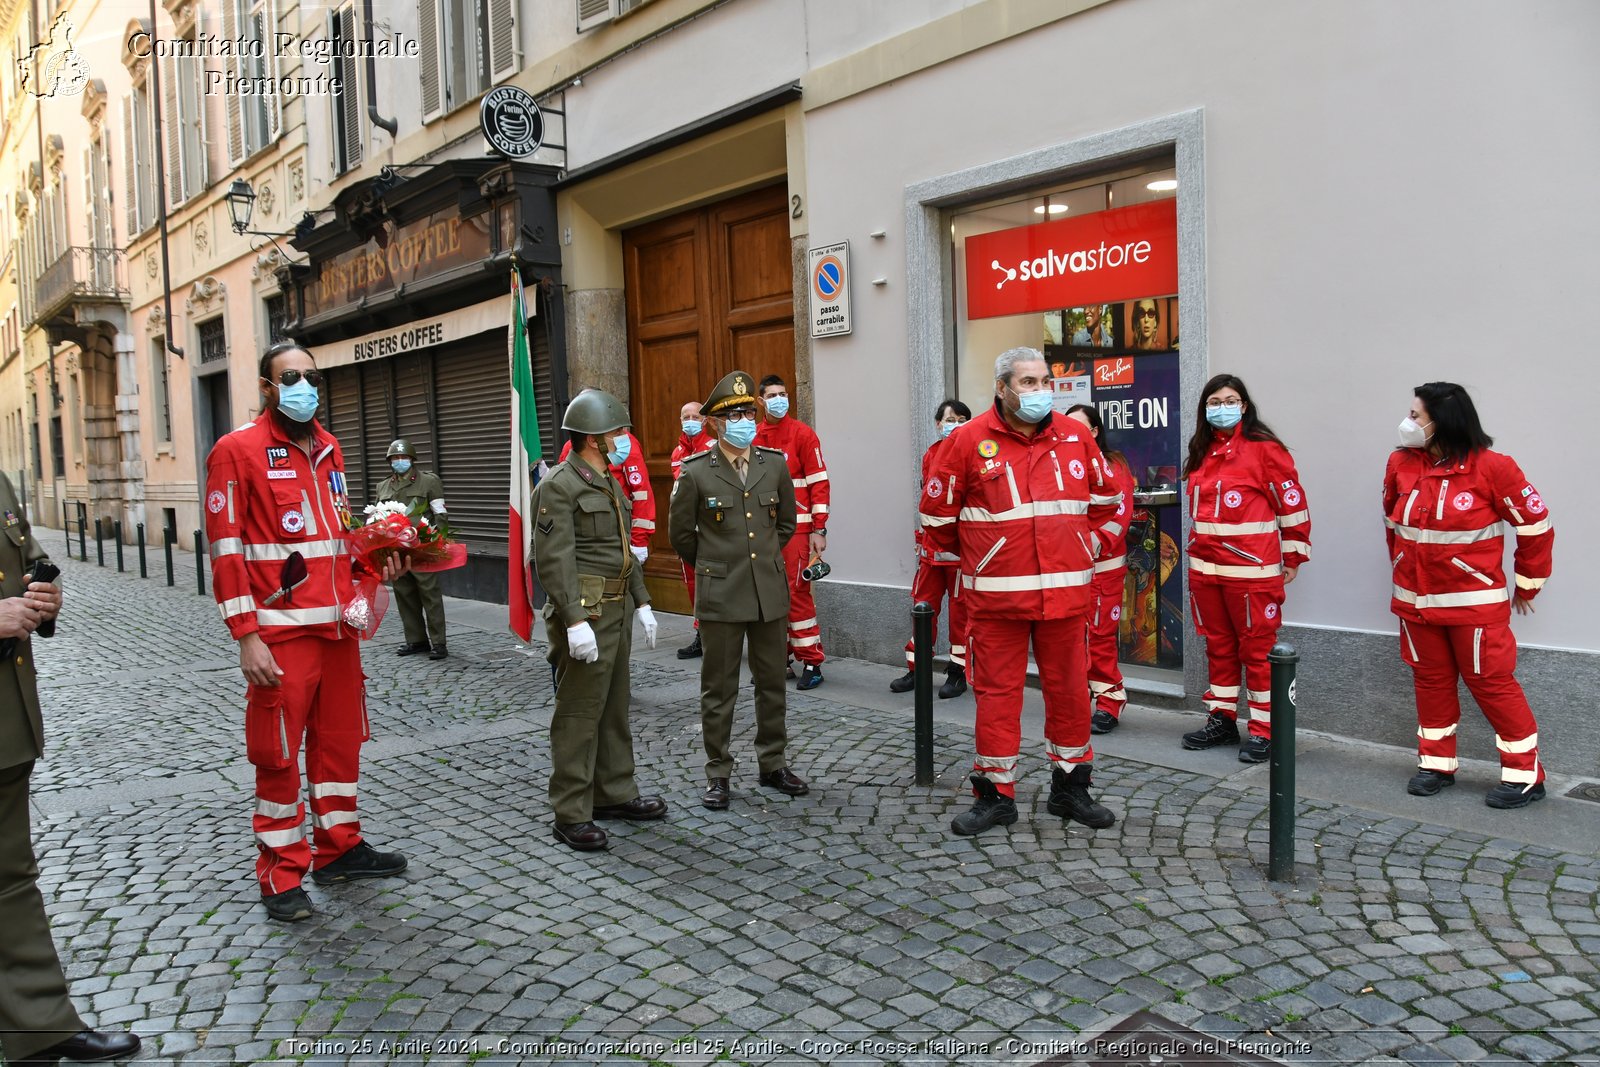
[
  {"x": 800, "y": 446},
  {"x": 1251, "y": 517}
]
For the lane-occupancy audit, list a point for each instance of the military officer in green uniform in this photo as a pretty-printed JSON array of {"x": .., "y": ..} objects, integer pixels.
[
  {"x": 594, "y": 590},
  {"x": 732, "y": 511},
  {"x": 417, "y": 595},
  {"x": 37, "y": 1021}
]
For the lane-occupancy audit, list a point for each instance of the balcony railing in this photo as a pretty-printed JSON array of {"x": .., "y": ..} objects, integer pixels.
[{"x": 81, "y": 274}]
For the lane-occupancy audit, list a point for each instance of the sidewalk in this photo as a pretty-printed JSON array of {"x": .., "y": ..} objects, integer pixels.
[{"x": 848, "y": 926}]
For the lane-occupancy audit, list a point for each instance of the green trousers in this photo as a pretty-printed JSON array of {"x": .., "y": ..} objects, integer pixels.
[
  {"x": 723, "y": 643},
  {"x": 591, "y": 747},
  {"x": 35, "y": 1011},
  {"x": 419, "y": 600}
]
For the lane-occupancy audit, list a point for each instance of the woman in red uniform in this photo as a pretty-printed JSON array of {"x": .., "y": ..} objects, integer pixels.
[
  {"x": 1251, "y": 533},
  {"x": 938, "y": 578},
  {"x": 1447, "y": 500},
  {"x": 1110, "y": 573}
]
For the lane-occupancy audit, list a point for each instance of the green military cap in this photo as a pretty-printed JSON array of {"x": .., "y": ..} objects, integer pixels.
[
  {"x": 738, "y": 389},
  {"x": 595, "y": 411},
  {"x": 400, "y": 447}
]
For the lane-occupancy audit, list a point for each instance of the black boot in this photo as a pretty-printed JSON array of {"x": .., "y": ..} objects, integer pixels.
[
  {"x": 990, "y": 809},
  {"x": 1218, "y": 730},
  {"x": 955, "y": 682},
  {"x": 692, "y": 650},
  {"x": 1426, "y": 783},
  {"x": 905, "y": 683},
  {"x": 1070, "y": 799},
  {"x": 1513, "y": 795}
]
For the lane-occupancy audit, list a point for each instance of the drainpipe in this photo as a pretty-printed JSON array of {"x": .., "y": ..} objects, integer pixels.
[
  {"x": 372, "y": 76},
  {"x": 161, "y": 178}
]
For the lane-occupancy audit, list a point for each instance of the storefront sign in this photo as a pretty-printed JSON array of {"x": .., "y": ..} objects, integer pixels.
[
  {"x": 511, "y": 121},
  {"x": 409, "y": 253},
  {"x": 1107, "y": 256},
  {"x": 413, "y": 336},
  {"x": 830, "y": 290}
]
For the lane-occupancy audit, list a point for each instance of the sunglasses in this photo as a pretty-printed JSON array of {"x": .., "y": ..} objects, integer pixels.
[
  {"x": 1145, "y": 313},
  {"x": 313, "y": 378}
]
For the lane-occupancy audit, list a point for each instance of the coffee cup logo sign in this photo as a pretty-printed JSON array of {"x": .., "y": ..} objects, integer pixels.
[{"x": 511, "y": 121}]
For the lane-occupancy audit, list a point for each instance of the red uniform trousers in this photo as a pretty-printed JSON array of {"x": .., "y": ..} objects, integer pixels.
[
  {"x": 997, "y": 666},
  {"x": 805, "y": 638},
  {"x": 688, "y": 580},
  {"x": 930, "y": 586},
  {"x": 1240, "y": 625},
  {"x": 1105, "y": 668},
  {"x": 1485, "y": 657},
  {"x": 322, "y": 699}
]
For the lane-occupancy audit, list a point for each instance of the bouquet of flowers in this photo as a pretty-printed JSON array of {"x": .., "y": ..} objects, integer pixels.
[{"x": 392, "y": 528}]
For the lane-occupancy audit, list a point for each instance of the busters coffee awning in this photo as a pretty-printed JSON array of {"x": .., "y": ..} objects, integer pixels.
[{"x": 417, "y": 335}]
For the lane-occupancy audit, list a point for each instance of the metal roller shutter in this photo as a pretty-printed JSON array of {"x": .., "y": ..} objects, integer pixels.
[
  {"x": 413, "y": 375},
  {"x": 342, "y": 417},
  {"x": 543, "y": 383},
  {"x": 375, "y": 401},
  {"x": 473, "y": 392}
]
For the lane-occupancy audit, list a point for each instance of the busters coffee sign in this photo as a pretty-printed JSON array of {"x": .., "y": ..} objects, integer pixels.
[{"x": 1096, "y": 259}]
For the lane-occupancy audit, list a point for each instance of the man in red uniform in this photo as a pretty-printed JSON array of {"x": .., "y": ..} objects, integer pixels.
[
  {"x": 798, "y": 442},
  {"x": 1020, "y": 496},
  {"x": 633, "y": 474},
  {"x": 276, "y": 518},
  {"x": 694, "y": 439}
]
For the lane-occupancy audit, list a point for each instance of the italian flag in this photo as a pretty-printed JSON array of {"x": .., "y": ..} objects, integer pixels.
[{"x": 525, "y": 453}]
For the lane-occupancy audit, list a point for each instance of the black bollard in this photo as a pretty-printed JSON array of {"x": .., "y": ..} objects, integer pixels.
[
  {"x": 83, "y": 548},
  {"x": 922, "y": 650},
  {"x": 116, "y": 534},
  {"x": 144, "y": 571},
  {"x": 168, "y": 535},
  {"x": 66, "y": 528},
  {"x": 1280, "y": 808},
  {"x": 99, "y": 541},
  {"x": 199, "y": 565}
]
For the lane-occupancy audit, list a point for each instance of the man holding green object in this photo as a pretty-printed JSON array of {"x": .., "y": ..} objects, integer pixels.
[{"x": 417, "y": 595}]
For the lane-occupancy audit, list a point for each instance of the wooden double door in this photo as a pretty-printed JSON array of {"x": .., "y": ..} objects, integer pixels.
[{"x": 709, "y": 291}]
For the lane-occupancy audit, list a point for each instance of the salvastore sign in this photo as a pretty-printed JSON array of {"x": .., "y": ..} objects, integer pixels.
[{"x": 417, "y": 250}]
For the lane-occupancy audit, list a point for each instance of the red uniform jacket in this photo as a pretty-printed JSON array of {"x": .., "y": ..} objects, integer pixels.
[
  {"x": 1112, "y": 560},
  {"x": 1021, "y": 513},
  {"x": 926, "y": 554},
  {"x": 634, "y": 477},
  {"x": 1446, "y": 530},
  {"x": 265, "y": 498},
  {"x": 688, "y": 446},
  {"x": 799, "y": 445},
  {"x": 1250, "y": 514}
]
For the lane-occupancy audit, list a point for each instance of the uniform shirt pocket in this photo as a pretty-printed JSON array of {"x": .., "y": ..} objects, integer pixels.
[{"x": 595, "y": 518}]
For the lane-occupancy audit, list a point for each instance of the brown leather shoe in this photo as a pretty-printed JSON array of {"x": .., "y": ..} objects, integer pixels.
[
  {"x": 716, "y": 796},
  {"x": 639, "y": 809},
  {"x": 785, "y": 781},
  {"x": 583, "y": 836}
]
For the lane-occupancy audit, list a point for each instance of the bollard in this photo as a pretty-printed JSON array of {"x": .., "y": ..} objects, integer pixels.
[
  {"x": 66, "y": 528},
  {"x": 99, "y": 541},
  {"x": 116, "y": 533},
  {"x": 144, "y": 571},
  {"x": 199, "y": 565},
  {"x": 83, "y": 548},
  {"x": 1280, "y": 808},
  {"x": 168, "y": 535},
  {"x": 922, "y": 651}
]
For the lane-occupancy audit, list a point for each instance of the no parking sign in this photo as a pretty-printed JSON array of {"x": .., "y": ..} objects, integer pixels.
[{"x": 830, "y": 289}]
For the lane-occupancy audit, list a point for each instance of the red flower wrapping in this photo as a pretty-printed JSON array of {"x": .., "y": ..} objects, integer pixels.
[{"x": 372, "y": 545}]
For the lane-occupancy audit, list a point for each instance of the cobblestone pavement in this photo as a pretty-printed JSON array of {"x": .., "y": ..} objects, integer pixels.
[{"x": 848, "y": 926}]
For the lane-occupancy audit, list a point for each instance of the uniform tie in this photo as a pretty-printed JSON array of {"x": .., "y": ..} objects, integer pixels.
[{"x": 742, "y": 466}]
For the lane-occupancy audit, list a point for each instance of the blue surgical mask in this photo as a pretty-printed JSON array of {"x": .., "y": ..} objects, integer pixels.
[
  {"x": 945, "y": 428},
  {"x": 622, "y": 448},
  {"x": 740, "y": 434},
  {"x": 1033, "y": 407},
  {"x": 1224, "y": 418},
  {"x": 778, "y": 407},
  {"x": 691, "y": 427},
  {"x": 299, "y": 401},
  {"x": 401, "y": 466}
]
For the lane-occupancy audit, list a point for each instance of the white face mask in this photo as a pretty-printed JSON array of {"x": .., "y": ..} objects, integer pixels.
[{"x": 1412, "y": 435}]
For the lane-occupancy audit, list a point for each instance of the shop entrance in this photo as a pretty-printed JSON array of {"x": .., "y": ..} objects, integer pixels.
[{"x": 709, "y": 291}]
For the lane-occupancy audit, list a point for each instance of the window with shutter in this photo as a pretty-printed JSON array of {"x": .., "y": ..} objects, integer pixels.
[
  {"x": 234, "y": 103},
  {"x": 348, "y": 136},
  {"x": 592, "y": 13},
  {"x": 172, "y": 130},
  {"x": 130, "y": 167},
  {"x": 430, "y": 57},
  {"x": 504, "y": 53}
]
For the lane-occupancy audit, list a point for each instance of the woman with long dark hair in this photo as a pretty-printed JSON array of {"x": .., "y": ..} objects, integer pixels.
[
  {"x": 1251, "y": 533},
  {"x": 1447, "y": 499},
  {"x": 1110, "y": 574}
]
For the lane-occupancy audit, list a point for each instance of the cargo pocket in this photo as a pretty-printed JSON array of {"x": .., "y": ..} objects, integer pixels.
[
  {"x": 266, "y": 729},
  {"x": 366, "y": 723}
]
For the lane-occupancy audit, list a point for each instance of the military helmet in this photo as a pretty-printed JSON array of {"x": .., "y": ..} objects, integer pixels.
[
  {"x": 400, "y": 447},
  {"x": 595, "y": 411}
]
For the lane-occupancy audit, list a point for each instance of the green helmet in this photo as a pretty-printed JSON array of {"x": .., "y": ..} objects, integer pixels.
[
  {"x": 595, "y": 411},
  {"x": 400, "y": 447}
]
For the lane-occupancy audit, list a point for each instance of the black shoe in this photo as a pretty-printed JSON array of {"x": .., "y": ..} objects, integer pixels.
[
  {"x": 1255, "y": 749},
  {"x": 411, "y": 650},
  {"x": 905, "y": 683},
  {"x": 1426, "y": 783},
  {"x": 716, "y": 795},
  {"x": 439, "y": 652},
  {"x": 785, "y": 781},
  {"x": 362, "y": 861},
  {"x": 810, "y": 677},
  {"x": 1512, "y": 795},
  {"x": 1218, "y": 730},
  {"x": 788, "y": 670},
  {"x": 692, "y": 650},
  {"x": 1103, "y": 722},
  {"x": 582, "y": 836},
  {"x": 992, "y": 808},
  {"x": 639, "y": 809},
  {"x": 1070, "y": 799},
  {"x": 90, "y": 1046},
  {"x": 955, "y": 683},
  {"x": 289, "y": 906}
]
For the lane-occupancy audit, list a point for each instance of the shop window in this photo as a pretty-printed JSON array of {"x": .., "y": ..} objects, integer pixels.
[{"x": 464, "y": 47}]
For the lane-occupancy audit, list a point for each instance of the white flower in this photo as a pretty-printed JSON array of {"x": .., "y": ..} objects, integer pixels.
[{"x": 380, "y": 511}]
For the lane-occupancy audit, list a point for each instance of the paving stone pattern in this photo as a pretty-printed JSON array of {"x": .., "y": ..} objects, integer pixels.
[{"x": 848, "y": 926}]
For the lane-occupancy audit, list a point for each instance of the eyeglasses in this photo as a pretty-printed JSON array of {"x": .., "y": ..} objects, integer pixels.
[
  {"x": 291, "y": 377},
  {"x": 1144, "y": 313},
  {"x": 741, "y": 415},
  {"x": 1216, "y": 405}
]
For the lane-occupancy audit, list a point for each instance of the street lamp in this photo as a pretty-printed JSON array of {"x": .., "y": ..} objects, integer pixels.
[{"x": 241, "y": 202}]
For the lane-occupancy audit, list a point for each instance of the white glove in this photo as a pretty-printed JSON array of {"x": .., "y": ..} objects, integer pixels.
[
  {"x": 582, "y": 644},
  {"x": 647, "y": 619},
  {"x": 640, "y": 553}
]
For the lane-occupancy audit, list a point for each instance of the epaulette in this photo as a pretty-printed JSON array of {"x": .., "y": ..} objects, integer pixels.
[
  {"x": 774, "y": 451},
  {"x": 696, "y": 457}
]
